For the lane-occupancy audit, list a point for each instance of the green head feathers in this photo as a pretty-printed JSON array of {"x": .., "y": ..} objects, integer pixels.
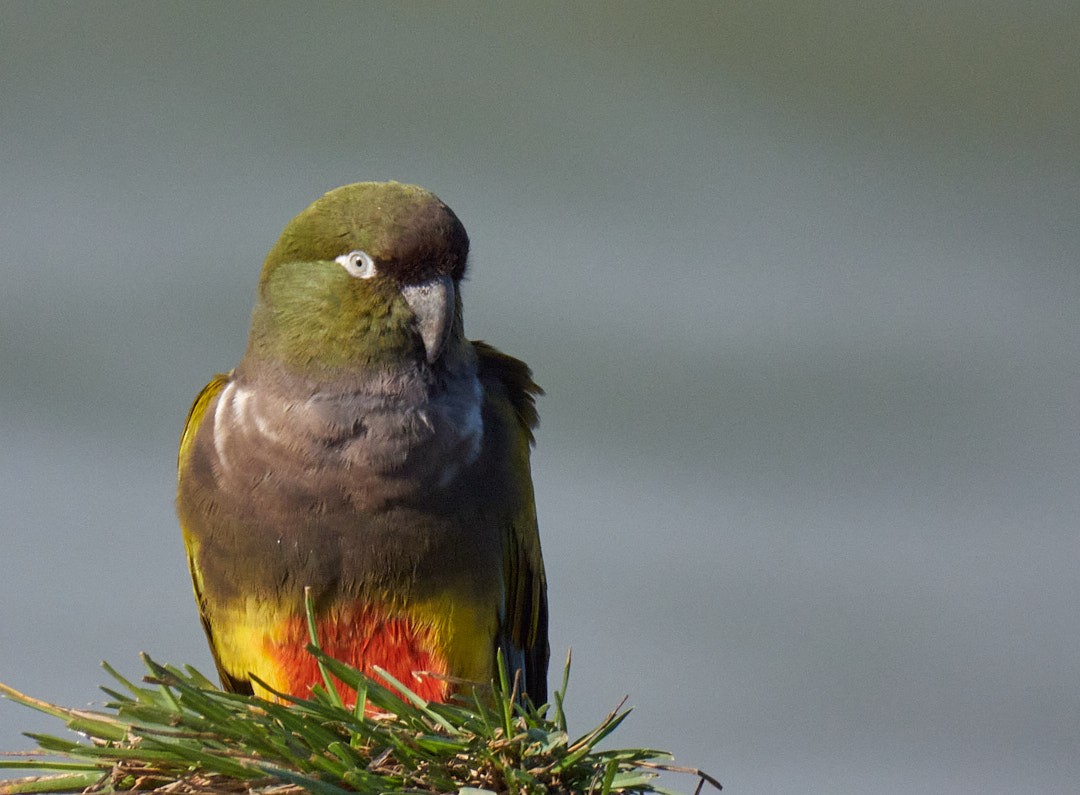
[{"x": 365, "y": 277}]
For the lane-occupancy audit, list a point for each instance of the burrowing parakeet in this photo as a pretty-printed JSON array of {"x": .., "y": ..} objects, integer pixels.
[{"x": 364, "y": 447}]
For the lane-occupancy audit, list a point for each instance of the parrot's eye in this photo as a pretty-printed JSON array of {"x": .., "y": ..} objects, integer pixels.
[{"x": 357, "y": 263}]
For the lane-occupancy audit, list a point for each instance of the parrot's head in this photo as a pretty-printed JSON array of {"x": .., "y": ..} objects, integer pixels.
[{"x": 366, "y": 277}]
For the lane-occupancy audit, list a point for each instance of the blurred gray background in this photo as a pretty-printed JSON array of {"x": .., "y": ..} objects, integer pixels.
[{"x": 802, "y": 282}]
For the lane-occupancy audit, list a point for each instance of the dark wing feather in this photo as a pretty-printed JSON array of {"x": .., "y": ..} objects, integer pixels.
[{"x": 524, "y": 636}]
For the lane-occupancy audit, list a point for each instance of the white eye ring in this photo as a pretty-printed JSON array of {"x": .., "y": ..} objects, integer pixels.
[{"x": 358, "y": 263}]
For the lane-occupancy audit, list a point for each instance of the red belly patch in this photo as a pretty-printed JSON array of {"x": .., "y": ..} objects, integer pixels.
[{"x": 362, "y": 636}]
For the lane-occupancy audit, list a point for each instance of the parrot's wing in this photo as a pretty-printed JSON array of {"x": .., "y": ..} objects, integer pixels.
[
  {"x": 196, "y": 414},
  {"x": 524, "y": 633},
  {"x": 187, "y": 441}
]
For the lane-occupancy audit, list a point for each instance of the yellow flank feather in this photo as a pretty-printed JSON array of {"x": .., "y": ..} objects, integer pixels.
[{"x": 463, "y": 631}]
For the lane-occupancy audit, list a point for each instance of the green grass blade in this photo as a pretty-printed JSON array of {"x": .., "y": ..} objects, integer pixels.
[
  {"x": 313, "y": 634},
  {"x": 67, "y": 782}
]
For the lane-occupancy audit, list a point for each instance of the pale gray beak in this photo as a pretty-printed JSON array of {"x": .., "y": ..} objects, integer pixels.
[{"x": 432, "y": 302}]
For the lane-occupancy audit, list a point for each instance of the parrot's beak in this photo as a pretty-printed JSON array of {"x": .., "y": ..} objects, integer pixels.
[{"x": 432, "y": 302}]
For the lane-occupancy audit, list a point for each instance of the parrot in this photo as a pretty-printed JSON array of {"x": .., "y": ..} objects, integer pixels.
[{"x": 364, "y": 449}]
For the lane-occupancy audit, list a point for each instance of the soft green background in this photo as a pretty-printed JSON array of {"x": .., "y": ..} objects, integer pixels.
[{"x": 802, "y": 282}]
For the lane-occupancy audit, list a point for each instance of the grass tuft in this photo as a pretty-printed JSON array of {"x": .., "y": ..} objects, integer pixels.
[{"x": 177, "y": 733}]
